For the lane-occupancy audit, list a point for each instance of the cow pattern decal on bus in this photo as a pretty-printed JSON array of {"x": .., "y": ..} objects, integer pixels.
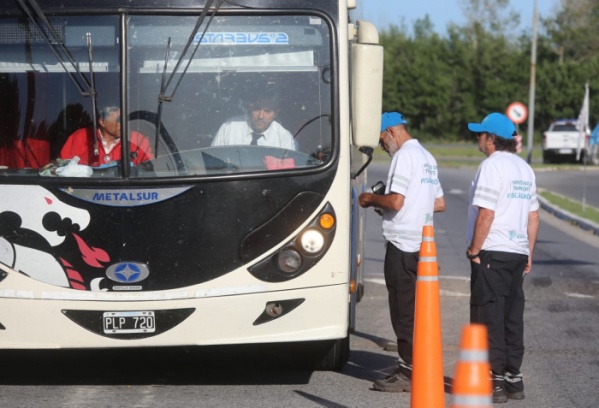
[{"x": 33, "y": 222}]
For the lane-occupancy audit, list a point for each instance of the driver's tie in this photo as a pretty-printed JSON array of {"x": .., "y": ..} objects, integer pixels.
[{"x": 255, "y": 137}]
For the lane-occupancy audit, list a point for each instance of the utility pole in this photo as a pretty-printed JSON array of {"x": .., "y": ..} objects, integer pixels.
[{"x": 531, "y": 96}]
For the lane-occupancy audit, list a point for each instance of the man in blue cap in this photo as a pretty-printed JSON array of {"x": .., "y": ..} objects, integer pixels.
[
  {"x": 594, "y": 144},
  {"x": 413, "y": 193},
  {"x": 503, "y": 222}
]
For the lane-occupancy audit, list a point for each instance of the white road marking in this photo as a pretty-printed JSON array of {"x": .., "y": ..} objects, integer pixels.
[
  {"x": 579, "y": 295},
  {"x": 451, "y": 293},
  {"x": 443, "y": 292},
  {"x": 380, "y": 281},
  {"x": 464, "y": 278}
]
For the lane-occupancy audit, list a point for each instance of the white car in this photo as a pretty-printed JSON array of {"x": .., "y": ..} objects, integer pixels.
[{"x": 562, "y": 141}]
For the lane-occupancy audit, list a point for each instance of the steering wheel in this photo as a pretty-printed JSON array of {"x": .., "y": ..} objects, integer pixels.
[{"x": 166, "y": 138}]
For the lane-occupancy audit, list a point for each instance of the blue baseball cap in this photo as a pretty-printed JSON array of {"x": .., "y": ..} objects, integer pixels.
[
  {"x": 391, "y": 119},
  {"x": 495, "y": 123}
]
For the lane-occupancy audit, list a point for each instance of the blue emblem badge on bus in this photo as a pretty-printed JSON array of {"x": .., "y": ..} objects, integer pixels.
[{"x": 128, "y": 272}]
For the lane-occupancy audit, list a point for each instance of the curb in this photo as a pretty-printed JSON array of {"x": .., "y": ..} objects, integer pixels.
[{"x": 567, "y": 216}]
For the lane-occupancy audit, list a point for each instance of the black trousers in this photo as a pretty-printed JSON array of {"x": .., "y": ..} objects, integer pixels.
[
  {"x": 497, "y": 300},
  {"x": 400, "y": 277}
]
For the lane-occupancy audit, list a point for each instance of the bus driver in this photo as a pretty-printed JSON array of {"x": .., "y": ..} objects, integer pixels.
[{"x": 258, "y": 127}]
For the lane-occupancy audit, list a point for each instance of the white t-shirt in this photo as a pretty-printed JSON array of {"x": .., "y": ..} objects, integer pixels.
[
  {"x": 236, "y": 131},
  {"x": 413, "y": 174},
  {"x": 505, "y": 184}
]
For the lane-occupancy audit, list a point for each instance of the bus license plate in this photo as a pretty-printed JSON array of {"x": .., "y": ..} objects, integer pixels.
[
  {"x": 565, "y": 151},
  {"x": 129, "y": 322}
]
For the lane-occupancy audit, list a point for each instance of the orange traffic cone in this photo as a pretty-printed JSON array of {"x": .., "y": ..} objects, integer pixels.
[
  {"x": 472, "y": 382},
  {"x": 427, "y": 372}
]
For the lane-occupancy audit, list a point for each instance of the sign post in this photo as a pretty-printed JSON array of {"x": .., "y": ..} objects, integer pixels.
[{"x": 517, "y": 113}]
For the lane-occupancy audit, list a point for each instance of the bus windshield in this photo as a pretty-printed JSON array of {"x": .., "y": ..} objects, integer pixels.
[{"x": 241, "y": 94}]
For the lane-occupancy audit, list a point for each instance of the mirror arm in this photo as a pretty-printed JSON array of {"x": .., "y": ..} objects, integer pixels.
[{"x": 367, "y": 150}]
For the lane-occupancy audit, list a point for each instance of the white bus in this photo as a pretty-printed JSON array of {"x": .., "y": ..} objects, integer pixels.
[{"x": 164, "y": 236}]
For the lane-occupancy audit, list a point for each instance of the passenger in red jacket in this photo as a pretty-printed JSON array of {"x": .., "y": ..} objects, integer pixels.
[{"x": 107, "y": 145}]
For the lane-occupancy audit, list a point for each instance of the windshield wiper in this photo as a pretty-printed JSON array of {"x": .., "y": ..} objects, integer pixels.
[
  {"x": 162, "y": 97},
  {"x": 92, "y": 89},
  {"x": 35, "y": 13},
  {"x": 63, "y": 56}
]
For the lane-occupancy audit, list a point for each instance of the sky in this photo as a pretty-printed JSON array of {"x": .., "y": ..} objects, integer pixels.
[{"x": 441, "y": 12}]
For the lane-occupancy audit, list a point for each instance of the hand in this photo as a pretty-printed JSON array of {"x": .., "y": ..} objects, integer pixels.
[
  {"x": 364, "y": 200},
  {"x": 528, "y": 267},
  {"x": 475, "y": 259}
]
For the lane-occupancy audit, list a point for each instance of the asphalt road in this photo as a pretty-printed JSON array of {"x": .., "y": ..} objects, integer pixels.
[
  {"x": 581, "y": 184},
  {"x": 561, "y": 365}
]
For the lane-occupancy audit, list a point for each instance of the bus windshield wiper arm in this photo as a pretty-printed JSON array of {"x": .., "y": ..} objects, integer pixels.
[
  {"x": 161, "y": 97},
  {"x": 34, "y": 12},
  {"x": 92, "y": 89},
  {"x": 188, "y": 44},
  {"x": 165, "y": 83}
]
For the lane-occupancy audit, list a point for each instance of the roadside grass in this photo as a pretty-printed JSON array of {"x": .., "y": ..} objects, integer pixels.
[
  {"x": 454, "y": 154},
  {"x": 461, "y": 154},
  {"x": 454, "y": 151},
  {"x": 467, "y": 155},
  {"x": 572, "y": 206}
]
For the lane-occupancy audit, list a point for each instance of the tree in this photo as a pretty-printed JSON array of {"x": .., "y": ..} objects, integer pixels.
[
  {"x": 492, "y": 16},
  {"x": 417, "y": 77},
  {"x": 574, "y": 31},
  {"x": 443, "y": 82}
]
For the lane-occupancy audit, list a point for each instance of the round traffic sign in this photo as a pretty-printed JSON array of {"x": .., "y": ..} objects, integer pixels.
[
  {"x": 517, "y": 112},
  {"x": 518, "y": 143}
]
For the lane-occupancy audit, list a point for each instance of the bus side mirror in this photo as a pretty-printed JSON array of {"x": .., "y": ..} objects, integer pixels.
[
  {"x": 366, "y": 86},
  {"x": 367, "y": 150}
]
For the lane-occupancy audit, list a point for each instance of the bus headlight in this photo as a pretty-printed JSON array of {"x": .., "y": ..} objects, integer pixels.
[
  {"x": 289, "y": 261},
  {"x": 312, "y": 241},
  {"x": 301, "y": 252}
]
